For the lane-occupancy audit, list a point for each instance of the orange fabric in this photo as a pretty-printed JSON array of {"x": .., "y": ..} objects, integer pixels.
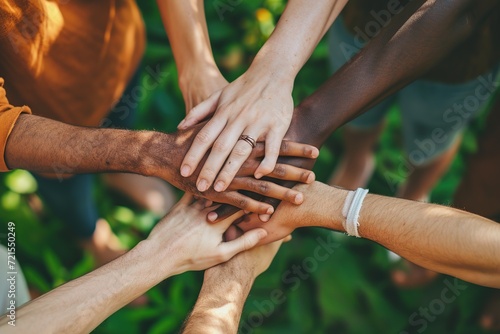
[
  {"x": 69, "y": 60},
  {"x": 8, "y": 117}
]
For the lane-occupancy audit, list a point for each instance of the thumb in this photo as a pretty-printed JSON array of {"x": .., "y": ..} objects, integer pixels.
[
  {"x": 201, "y": 111},
  {"x": 247, "y": 241}
]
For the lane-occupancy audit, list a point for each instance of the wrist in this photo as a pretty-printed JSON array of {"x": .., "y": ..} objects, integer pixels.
[
  {"x": 240, "y": 278},
  {"x": 273, "y": 71},
  {"x": 234, "y": 270},
  {"x": 308, "y": 126},
  {"x": 158, "y": 262},
  {"x": 157, "y": 153},
  {"x": 196, "y": 70},
  {"x": 329, "y": 201}
]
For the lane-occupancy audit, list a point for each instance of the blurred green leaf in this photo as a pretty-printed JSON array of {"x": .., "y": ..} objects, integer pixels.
[{"x": 21, "y": 182}]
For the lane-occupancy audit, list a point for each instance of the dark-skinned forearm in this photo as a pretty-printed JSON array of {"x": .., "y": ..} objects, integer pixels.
[
  {"x": 46, "y": 146},
  {"x": 415, "y": 40}
]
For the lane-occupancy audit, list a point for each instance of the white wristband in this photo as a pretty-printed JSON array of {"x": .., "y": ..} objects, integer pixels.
[{"x": 352, "y": 207}]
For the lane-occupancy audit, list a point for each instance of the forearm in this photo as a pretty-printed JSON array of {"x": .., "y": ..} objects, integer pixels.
[
  {"x": 221, "y": 300},
  {"x": 439, "y": 238},
  {"x": 186, "y": 26},
  {"x": 82, "y": 304},
  {"x": 42, "y": 145},
  {"x": 415, "y": 40},
  {"x": 298, "y": 32}
]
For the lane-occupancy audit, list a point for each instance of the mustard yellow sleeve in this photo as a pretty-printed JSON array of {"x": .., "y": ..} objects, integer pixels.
[{"x": 8, "y": 118}]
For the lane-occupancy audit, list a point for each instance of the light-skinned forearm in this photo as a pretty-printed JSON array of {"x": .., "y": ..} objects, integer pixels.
[
  {"x": 46, "y": 146},
  {"x": 221, "y": 300},
  {"x": 415, "y": 40},
  {"x": 436, "y": 237},
  {"x": 295, "y": 37},
  {"x": 82, "y": 304},
  {"x": 186, "y": 26}
]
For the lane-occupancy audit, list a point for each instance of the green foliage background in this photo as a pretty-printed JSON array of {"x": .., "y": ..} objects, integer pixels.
[{"x": 349, "y": 292}]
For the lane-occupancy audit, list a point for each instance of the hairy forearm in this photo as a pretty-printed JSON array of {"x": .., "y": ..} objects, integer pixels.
[
  {"x": 297, "y": 33},
  {"x": 415, "y": 40},
  {"x": 436, "y": 237},
  {"x": 221, "y": 300},
  {"x": 82, "y": 304},
  {"x": 46, "y": 146},
  {"x": 439, "y": 238}
]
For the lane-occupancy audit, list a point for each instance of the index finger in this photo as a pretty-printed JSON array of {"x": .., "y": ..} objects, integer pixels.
[{"x": 201, "y": 144}]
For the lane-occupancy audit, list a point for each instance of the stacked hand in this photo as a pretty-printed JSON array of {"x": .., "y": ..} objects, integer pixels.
[
  {"x": 165, "y": 165},
  {"x": 185, "y": 241},
  {"x": 246, "y": 107}
]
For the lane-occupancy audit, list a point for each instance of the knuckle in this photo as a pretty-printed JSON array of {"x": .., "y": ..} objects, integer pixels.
[
  {"x": 224, "y": 175},
  {"x": 203, "y": 137},
  {"x": 207, "y": 173},
  {"x": 220, "y": 146},
  {"x": 280, "y": 170},
  {"x": 262, "y": 187},
  {"x": 241, "y": 203},
  {"x": 241, "y": 151},
  {"x": 285, "y": 147},
  {"x": 290, "y": 195}
]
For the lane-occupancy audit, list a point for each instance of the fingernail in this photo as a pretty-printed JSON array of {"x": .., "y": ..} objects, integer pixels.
[
  {"x": 185, "y": 170},
  {"x": 219, "y": 186},
  {"x": 310, "y": 178},
  {"x": 181, "y": 124},
  {"x": 212, "y": 216},
  {"x": 262, "y": 234},
  {"x": 258, "y": 175},
  {"x": 299, "y": 198},
  {"x": 202, "y": 185},
  {"x": 315, "y": 153},
  {"x": 270, "y": 211},
  {"x": 264, "y": 218}
]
